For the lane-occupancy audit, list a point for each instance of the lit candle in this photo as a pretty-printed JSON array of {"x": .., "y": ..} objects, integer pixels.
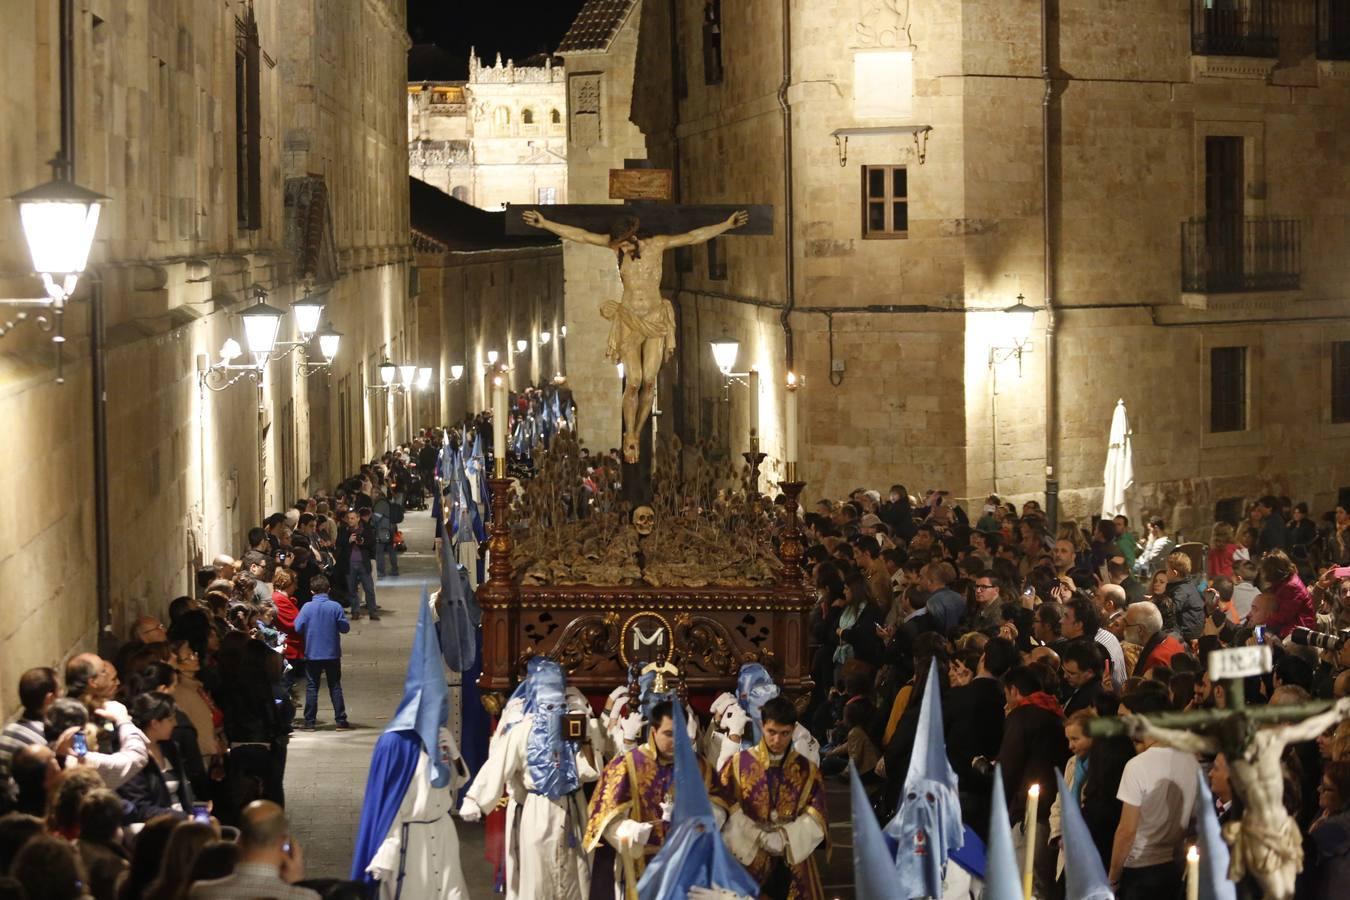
[
  {"x": 790, "y": 439},
  {"x": 1193, "y": 873},
  {"x": 754, "y": 404},
  {"x": 499, "y": 423},
  {"x": 1029, "y": 832}
]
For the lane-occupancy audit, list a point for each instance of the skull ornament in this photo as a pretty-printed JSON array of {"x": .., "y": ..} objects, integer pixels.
[{"x": 644, "y": 520}]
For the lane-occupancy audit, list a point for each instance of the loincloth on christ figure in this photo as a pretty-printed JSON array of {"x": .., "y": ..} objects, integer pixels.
[{"x": 628, "y": 328}]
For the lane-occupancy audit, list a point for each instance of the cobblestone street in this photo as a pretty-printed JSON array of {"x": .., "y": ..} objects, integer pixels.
[{"x": 326, "y": 769}]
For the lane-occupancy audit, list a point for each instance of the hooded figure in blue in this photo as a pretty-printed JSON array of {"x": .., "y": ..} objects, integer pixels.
[
  {"x": 755, "y": 687},
  {"x": 541, "y": 774},
  {"x": 927, "y": 827},
  {"x": 1214, "y": 856},
  {"x": 693, "y": 860},
  {"x": 406, "y": 843}
]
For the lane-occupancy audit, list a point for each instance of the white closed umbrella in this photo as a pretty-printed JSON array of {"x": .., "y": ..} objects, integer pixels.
[{"x": 1119, "y": 474}]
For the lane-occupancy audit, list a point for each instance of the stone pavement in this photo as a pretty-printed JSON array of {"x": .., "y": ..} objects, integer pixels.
[{"x": 326, "y": 769}]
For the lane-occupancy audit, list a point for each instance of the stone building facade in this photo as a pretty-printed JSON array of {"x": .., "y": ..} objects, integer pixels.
[
  {"x": 239, "y": 143},
  {"x": 498, "y": 138},
  {"x": 1192, "y": 172},
  {"x": 479, "y": 291}
]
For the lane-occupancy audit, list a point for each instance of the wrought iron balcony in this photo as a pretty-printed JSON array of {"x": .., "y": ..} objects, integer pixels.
[
  {"x": 1333, "y": 29},
  {"x": 1233, "y": 28},
  {"x": 1235, "y": 254}
]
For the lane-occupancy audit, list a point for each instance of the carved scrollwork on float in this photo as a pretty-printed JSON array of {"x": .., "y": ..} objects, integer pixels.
[
  {"x": 706, "y": 646},
  {"x": 587, "y": 641}
]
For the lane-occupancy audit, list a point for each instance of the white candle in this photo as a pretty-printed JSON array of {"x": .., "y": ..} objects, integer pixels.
[
  {"x": 1193, "y": 873},
  {"x": 499, "y": 419},
  {"x": 1029, "y": 832},
  {"x": 754, "y": 404},
  {"x": 790, "y": 436}
]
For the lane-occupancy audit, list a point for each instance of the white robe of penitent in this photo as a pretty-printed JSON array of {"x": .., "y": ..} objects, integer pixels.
[{"x": 420, "y": 855}]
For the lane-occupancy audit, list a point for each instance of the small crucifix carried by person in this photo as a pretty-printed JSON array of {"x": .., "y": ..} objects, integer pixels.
[{"x": 642, "y": 323}]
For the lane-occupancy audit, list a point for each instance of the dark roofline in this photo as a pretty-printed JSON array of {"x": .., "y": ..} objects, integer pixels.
[{"x": 457, "y": 225}]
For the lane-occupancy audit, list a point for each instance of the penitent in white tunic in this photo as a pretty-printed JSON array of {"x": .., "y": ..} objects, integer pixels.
[
  {"x": 420, "y": 856},
  {"x": 545, "y": 859}
]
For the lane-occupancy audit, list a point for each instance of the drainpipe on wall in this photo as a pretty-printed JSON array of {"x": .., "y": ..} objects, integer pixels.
[
  {"x": 789, "y": 244},
  {"x": 1051, "y": 361},
  {"x": 97, "y": 369}
]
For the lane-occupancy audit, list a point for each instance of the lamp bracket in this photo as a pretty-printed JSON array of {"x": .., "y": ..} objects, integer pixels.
[{"x": 214, "y": 380}]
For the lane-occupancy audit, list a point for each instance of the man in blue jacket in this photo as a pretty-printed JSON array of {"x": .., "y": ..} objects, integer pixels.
[{"x": 319, "y": 624}]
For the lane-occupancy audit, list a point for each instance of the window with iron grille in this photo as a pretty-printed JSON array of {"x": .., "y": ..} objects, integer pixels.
[
  {"x": 885, "y": 202},
  {"x": 712, "y": 41},
  {"x": 717, "y": 263},
  {"x": 248, "y": 123},
  {"x": 1228, "y": 389},
  {"x": 1340, "y": 381}
]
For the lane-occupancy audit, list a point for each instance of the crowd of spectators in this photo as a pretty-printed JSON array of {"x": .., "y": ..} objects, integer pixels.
[
  {"x": 1036, "y": 631},
  {"x": 156, "y": 770}
]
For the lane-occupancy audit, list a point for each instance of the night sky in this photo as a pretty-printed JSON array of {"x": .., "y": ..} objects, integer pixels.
[{"x": 516, "y": 28}]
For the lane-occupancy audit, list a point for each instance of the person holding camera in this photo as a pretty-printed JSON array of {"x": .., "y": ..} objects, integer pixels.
[{"x": 355, "y": 554}]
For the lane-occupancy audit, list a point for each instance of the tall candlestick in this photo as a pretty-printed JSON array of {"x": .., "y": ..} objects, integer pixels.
[
  {"x": 754, "y": 404},
  {"x": 499, "y": 424},
  {"x": 1193, "y": 873},
  {"x": 1029, "y": 832},
  {"x": 790, "y": 435}
]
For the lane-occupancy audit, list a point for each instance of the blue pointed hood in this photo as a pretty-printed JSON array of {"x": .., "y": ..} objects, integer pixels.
[
  {"x": 754, "y": 688},
  {"x": 1214, "y": 858},
  {"x": 425, "y": 706},
  {"x": 1084, "y": 875},
  {"x": 927, "y": 827},
  {"x": 693, "y": 854},
  {"x": 873, "y": 862},
  {"x": 1002, "y": 878}
]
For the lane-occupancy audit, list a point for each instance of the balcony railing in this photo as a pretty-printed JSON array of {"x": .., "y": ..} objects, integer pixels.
[
  {"x": 1233, "y": 28},
  {"x": 1230, "y": 255},
  {"x": 1333, "y": 29}
]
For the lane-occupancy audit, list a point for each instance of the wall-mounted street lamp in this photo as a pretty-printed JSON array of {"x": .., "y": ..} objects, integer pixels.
[
  {"x": 329, "y": 340},
  {"x": 59, "y": 220},
  {"x": 408, "y": 375},
  {"x": 388, "y": 372},
  {"x": 545, "y": 337},
  {"x": 456, "y": 373},
  {"x": 424, "y": 374},
  {"x": 492, "y": 358},
  {"x": 521, "y": 346},
  {"x": 562, "y": 332},
  {"x": 1018, "y": 318}
]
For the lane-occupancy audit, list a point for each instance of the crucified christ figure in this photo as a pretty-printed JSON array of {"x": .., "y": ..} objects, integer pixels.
[
  {"x": 1266, "y": 843},
  {"x": 642, "y": 329}
]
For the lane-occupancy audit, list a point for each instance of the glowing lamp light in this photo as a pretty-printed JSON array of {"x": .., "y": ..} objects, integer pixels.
[
  {"x": 1020, "y": 318},
  {"x": 724, "y": 352},
  {"x": 308, "y": 311},
  {"x": 492, "y": 357},
  {"x": 408, "y": 375},
  {"x": 562, "y": 331},
  {"x": 545, "y": 337},
  {"x": 59, "y": 220},
  {"x": 261, "y": 324},
  {"x": 424, "y": 377},
  {"x": 388, "y": 372},
  {"x": 329, "y": 340},
  {"x": 456, "y": 372},
  {"x": 521, "y": 345}
]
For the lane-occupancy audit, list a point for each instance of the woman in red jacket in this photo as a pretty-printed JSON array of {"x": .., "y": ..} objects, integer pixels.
[
  {"x": 1294, "y": 605},
  {"x": 283, "y": 598}
]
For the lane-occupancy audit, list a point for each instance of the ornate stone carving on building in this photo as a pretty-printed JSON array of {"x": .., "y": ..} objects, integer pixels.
[
  {"x": 584, "y": 98},
  {"x": 883, "y": 23}
]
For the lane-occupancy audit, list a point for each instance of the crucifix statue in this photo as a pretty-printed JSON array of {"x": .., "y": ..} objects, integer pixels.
[
  {"x": 642, "y": 322},
  {"x": 1266, "y": 843}
]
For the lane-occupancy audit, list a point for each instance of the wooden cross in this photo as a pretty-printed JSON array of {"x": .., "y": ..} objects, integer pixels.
[
  {"x": 1268, "y": 845},
  {"x": 645, "y": 192}
]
